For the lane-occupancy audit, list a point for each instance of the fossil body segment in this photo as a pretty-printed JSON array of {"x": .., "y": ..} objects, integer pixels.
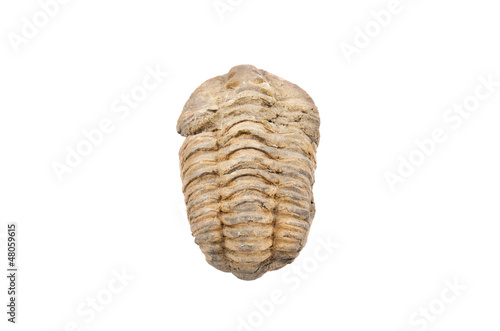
[{"x": 247, "y": 168}]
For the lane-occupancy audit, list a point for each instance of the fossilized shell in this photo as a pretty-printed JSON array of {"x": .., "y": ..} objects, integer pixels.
[{"x": 247, "y": 168}]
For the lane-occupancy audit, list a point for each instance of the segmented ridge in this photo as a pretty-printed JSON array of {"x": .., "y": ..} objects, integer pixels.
[
  {"x": 247, "y": 168},
  {"x": 249, "y": 205}
]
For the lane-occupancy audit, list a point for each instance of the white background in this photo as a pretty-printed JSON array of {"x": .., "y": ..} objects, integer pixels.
[{"x": 121, "y": 208}]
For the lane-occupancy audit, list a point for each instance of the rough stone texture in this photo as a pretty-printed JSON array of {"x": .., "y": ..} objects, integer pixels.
[{"x": 247, "y": 168}]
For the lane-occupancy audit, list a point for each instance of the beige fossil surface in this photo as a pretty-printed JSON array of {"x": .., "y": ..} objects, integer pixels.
[{"x": 247, "y": 167}]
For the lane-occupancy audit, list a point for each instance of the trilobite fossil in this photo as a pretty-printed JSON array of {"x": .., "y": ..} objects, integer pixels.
[{"x": 247, "y": 168}]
